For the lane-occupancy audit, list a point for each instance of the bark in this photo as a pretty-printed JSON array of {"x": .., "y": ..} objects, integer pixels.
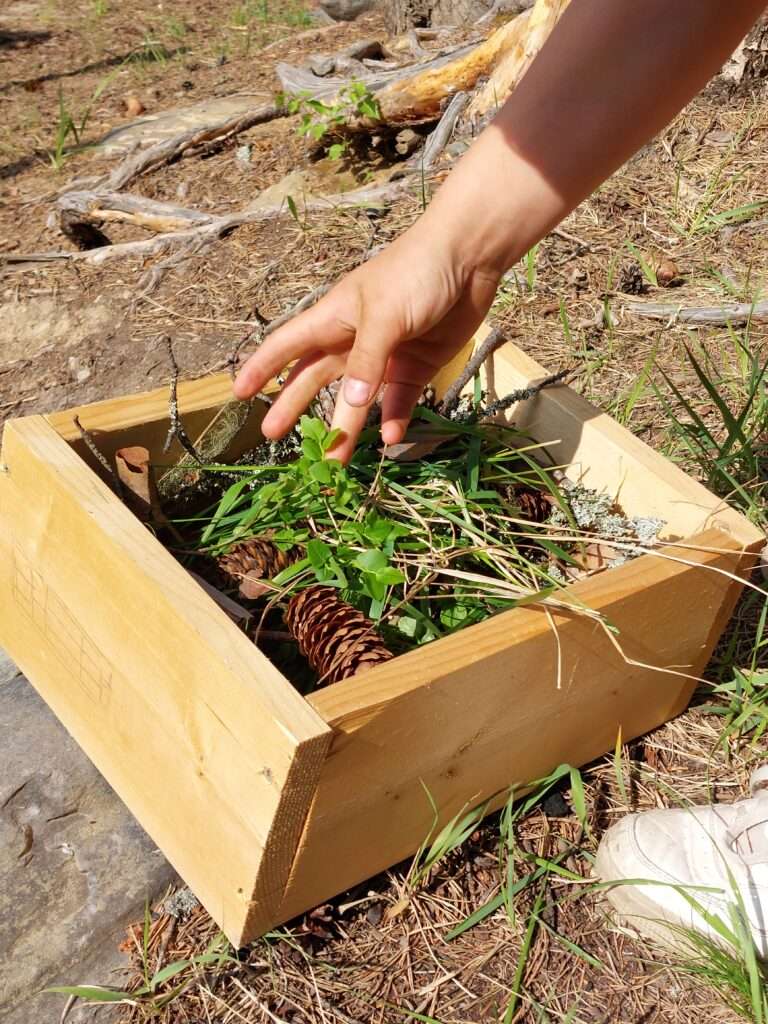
[
  {"x": 734, "y": 313},
  {"x": 534, "y": 26},
  {"x": 197, "y": 140}
]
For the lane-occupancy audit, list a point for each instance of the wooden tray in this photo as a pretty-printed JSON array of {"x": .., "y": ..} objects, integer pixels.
[{"x": 268, "y": 803}]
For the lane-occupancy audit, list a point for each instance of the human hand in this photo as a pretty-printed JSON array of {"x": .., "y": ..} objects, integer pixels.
[{"x": 393, "y": 321}]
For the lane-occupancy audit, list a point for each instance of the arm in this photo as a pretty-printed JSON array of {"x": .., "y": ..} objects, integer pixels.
[{"x": 610, "y": 76}]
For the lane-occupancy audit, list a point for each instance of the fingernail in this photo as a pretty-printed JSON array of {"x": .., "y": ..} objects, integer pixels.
[{"x": 356, "y": 392}]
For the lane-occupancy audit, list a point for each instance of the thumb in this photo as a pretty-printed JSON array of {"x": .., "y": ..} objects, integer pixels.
[{"x": 375, "y": 340}]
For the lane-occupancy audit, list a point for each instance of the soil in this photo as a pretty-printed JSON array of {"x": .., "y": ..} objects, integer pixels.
[{"x": 71, "y": 334}]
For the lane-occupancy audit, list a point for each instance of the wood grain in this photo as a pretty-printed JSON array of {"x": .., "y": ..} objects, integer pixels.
[
  {"x": 494, "y": 707},
  {"x": 212, "y": 749}
]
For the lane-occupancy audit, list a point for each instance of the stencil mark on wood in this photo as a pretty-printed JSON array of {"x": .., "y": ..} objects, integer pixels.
[{"x": 65, "y": 637}]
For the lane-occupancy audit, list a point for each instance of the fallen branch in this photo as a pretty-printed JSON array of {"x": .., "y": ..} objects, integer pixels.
[
  {"x": 441, "y": 136},
  {"x": 87, "y": 438},
  {"x": 176, "y": 430},
  {"x": 79, "y": 210},
  {"x": 451, "y": 397},
  {"x": 197, "y": 139},
  {"x": 734, "y": 313},
  {"x": 532, "y": 30},
  {"x": 186, "y": 243}
]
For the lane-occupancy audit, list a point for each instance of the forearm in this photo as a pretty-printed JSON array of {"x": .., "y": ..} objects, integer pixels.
[{"x": 611, "y": 75}]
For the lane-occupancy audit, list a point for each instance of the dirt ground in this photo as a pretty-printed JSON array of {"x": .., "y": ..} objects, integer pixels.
[{"x": 72, "y": 333}]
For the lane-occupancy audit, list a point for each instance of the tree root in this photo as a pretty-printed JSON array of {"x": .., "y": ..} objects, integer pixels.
[
  {"x": 181, "y": 244},
  {"x": 196, "y": 140}
]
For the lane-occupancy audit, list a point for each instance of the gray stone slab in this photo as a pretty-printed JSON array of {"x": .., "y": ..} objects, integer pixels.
[
  {"x": 155, "y": 127},
  {"x": 75, "y": 866}
]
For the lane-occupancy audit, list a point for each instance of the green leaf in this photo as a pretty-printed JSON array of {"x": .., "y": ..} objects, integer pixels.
[
  {"x": 318, "y": 553},
  {"x": 93, "y": 993},
  {"x": 311, "y": 449},
  {"x": 321, "y": 471},
  {"x": 372, "y": 560}
]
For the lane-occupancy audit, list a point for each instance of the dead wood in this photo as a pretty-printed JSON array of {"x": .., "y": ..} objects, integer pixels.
[
  {"x": 294, "y": 80},
  {"x": 734, "y": 313},
  {"x": 441, "y": 136},
  {"x": 451, "y": 397},
  {"x": 531, "y": 29},
  {"x": 180, "y": 245},
  {"x": 87, "y": 438},
  {"x": 196, "y": 140},
  {"x": 79, "y": 211},
  {"x": 176, "y": 430}
]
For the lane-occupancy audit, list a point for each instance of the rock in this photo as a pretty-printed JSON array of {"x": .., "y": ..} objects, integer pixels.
[
  {"x": 407, "y": 141},
  {"x": 79, "y": 372},
  {"x": 8, "y": 671},
  {"x": 75, "y": 867},
  {"x": 243, "y": 155},
  {"x": 321, "y": 65},
  {"x": 346, "y": 10}
]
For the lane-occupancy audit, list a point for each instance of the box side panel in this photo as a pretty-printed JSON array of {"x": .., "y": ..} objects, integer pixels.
[
  {"x": 502, "y": 704},
  {"x": 212, "y": 750},
  {"x": 602, "y": 454}
]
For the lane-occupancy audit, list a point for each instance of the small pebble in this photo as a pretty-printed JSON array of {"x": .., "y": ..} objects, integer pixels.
[{"x": 133, "y": 106}]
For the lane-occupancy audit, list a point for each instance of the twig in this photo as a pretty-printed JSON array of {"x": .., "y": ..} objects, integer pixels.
[
  {"x": 304, "y": 303},
  {"x": 176, "y": 429},
  {"x": 735, "y": 313},
  {"x": 441, "y": 136},
  {"x": 87, "y": 438},
  {"x": 521, "y": 395},
  {"x": 494, "y": 340}
]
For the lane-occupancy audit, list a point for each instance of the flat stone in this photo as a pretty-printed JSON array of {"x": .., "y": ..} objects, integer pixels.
[
  {"x": 155, "y": 127},
  {"x": 75, "y": 866}
]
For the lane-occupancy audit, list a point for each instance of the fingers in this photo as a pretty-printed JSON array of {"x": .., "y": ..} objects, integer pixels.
[
  {"x": 377, "y": 337},
  {"x": 396, "y": 409},
  {"x": 305, "y": 380},
  {"x": 320, "y": 328}
]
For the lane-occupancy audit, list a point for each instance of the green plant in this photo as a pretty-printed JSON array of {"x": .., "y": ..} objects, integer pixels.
[
  {"x": 322, "y": 121},
  {"x": 154, "y": 994},
  {"x": 530, "y": 267},
  {"x": 648, "y": 272},
  {"x": 732, "y": 451},
  {"x": 438, "y": 844},
  {"x": 67, "y": 127},
  {"x": 474, "y": 555}
]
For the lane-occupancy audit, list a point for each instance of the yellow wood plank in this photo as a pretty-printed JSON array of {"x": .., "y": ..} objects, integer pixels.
[
  {"x": 602, "y": 454},
  {"x": 597, "y": 450},
  {"x": 496, "y": 705},
  {"x": 216, "y": 754}
]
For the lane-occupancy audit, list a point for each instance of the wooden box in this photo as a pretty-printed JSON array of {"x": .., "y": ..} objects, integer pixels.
[{"x": 268, "y": 803}]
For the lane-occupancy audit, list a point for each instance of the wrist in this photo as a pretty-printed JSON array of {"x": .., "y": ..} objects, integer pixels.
[{"x": 493, "y": 207}]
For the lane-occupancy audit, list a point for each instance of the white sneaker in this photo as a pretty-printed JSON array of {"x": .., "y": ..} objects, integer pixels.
[{"x": 690, "y": 848}]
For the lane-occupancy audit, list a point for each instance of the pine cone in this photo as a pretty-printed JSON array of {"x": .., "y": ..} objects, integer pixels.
[
  {"x": 632, "y": 280},
  {"x": 336, "y": 639},
  {"x": 534, "y": 504},
  {"x": 254, "y": 560}
]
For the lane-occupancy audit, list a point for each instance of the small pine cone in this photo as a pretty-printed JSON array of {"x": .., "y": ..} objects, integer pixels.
[
  {"x": 255, "y": 560},
  {"x": 632, "y": 281},
  {"x": 336, "y": 639},
  {"x": 534, "y": 504}
]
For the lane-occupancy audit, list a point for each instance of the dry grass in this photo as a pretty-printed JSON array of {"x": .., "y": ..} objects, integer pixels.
[{"x": 356, "y": 960}]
